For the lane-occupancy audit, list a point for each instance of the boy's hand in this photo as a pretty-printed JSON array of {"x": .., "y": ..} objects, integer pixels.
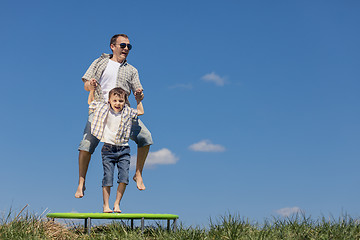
[
  {"x": 90, "y": 85},
  {"x": 93, "y": 84},
  {"x": 139, "y": 95}
]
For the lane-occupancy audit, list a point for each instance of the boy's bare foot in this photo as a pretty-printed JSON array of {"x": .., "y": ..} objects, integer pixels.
[
  {"x": 117, "y": 209},
  {"x": 80, "y": 191},
  {"x": 139, "y": 182},
  {"x": 107, "y": 210}
]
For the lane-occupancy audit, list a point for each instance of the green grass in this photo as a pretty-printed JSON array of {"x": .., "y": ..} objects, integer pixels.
[{"x": 29, "y": 226}]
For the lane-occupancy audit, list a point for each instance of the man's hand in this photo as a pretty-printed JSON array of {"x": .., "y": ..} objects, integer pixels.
[
  {"x": 91, "y": 85},
  {"x": 139, "y": 95}
]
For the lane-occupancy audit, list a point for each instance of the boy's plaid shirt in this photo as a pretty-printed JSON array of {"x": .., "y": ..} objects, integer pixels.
[
  {"x": 101, "y": 111},
  {"x": 127, "y": 78}
]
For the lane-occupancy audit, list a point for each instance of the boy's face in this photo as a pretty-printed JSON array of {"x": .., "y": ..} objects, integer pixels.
[{"x": 117, "y": 103}]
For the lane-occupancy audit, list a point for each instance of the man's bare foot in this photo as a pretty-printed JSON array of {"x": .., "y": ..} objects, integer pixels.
[
  {"x": 139, "y": 182},
  {"x": 107, "y": 210},
  {"x": 80, "y": 191},
  {"x": 117, "y": 209}
]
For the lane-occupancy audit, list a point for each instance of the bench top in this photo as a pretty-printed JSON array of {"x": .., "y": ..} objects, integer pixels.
[{"x": 112, "y": 215}]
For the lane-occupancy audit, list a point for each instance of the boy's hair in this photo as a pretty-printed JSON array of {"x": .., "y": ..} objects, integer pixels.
[
  {"x": 118, "y": 91},
  {"x": 113, "y": 39}
]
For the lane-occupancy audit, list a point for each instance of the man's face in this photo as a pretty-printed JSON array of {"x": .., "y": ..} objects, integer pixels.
[
  {"x": 117, "y": 102},
  {"x": 119, "y": 52}
]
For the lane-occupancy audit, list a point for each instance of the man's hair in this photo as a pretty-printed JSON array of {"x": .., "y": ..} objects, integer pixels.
[
  {"x": 119, "y": 92},
  {"x": 113, "y": 39}
]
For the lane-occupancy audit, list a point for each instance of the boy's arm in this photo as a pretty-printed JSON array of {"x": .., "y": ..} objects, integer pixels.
[
  {"x": 91, "y": 96},
  {"x": 139, "y": 97},
  {"x": 90, "y": 86},
  {"x": 93, "y": 105},
  {"x": 140, "y": 108},
  {"x": 139, "y": 94}
]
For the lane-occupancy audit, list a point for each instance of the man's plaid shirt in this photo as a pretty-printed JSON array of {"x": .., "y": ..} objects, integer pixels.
[
  {"x": 101, "y": 111},
  {"x": 127, "y": 78}
]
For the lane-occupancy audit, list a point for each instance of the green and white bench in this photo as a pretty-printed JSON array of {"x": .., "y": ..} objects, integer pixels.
[{"x": 141, "y": 216}]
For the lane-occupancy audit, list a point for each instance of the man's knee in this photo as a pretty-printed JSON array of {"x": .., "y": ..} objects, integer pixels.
[
  {"x": 88, "y": 144},
  {"x": 140, "y": 134},
  {"x": 144, "y": 140}
]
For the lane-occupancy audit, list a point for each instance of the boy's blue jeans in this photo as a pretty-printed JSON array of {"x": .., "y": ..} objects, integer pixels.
[
  {"x": 115, "y": 155},
  {"x": 139, "y": 134}
]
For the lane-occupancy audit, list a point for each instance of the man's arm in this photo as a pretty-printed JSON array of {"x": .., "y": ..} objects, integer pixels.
[
  {"x": 90, "y": 73},
  {"x": 135, "y": 84}
]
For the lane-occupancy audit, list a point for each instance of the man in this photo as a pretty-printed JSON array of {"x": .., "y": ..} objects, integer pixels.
[{"x": 105, "y": 73}]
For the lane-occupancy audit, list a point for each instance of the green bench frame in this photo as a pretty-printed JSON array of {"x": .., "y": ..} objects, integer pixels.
[{"x": 142, "y": 216}]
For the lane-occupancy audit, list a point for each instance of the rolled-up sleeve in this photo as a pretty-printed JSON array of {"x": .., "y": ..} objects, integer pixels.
[
  {"x": 90, "y": 73},
  {"x": 135, "y": 81},
  {"x": 93, "y": 105}
]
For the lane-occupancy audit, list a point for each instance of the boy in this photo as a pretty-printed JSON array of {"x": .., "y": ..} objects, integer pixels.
[{"x": 111, "y": 124}]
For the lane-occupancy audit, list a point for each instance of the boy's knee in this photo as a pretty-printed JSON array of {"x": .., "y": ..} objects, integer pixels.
[{"x": 107, "y": 181}]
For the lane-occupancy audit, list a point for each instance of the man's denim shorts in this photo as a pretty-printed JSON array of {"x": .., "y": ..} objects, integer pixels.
[
  {"x": 115, "y": 155},
  {"x": 139, "y": 134}
]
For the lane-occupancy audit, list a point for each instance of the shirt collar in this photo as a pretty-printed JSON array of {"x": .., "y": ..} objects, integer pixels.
[{"x": 106, "y": 55}]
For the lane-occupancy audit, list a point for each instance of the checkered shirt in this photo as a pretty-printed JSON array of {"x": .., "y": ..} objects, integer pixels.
[
  {"x": 127, "y": 78},
  {"x": 101, "y": 110}
]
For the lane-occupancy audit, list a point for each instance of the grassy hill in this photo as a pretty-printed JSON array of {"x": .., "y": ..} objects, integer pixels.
[{"x": 29, "y": 226}]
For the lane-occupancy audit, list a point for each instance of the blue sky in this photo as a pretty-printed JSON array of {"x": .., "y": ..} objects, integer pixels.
[{"x": 253, "y": 105}]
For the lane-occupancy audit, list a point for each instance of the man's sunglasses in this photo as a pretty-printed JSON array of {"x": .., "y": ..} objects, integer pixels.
[{"x": 123, "y": 45}]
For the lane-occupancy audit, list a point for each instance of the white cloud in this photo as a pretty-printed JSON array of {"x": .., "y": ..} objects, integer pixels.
[
  {"x": 162, "y": 157},
  {"x": 288, "y": 211},
  {"x": 182, "y": 86},
  {"x": 206, "y": 146},
  {"x": 214, "y": 78}
]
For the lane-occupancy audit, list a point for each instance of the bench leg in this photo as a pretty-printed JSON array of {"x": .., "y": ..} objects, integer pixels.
[
  {"x": 132, "y": 223},
  {"x": 168, "y": 224},
  {"x": 89, "y": 228},
  {"x": 142, "y": 224},
  {"x": 174, "y": 225},
  {"x": 87, "y": 225}
]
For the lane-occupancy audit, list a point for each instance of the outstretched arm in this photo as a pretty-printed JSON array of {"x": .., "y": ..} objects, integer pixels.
[
  {"x": 140, "y": 108},
  {"x": 91, "y": 97},
  {"x": 139, "y": 96},
  {"x": 90, "y": 86}
]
